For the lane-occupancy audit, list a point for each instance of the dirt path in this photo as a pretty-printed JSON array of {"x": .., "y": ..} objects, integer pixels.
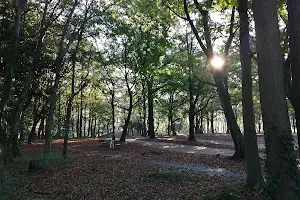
[{"x": 144, "y": 160}]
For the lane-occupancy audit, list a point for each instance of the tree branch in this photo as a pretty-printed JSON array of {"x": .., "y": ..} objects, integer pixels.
[
  {"x": 195, "y": 31},
  {"x": 231, "y": 32},
  {"x": 173, "y": 11}
]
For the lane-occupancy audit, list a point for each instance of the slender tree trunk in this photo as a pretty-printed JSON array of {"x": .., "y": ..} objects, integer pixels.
[
  {"x": 81, "y": 114},
  {"x": 112, "y": 103},
  {"x": 259, "y": 124},
  {"x": 19, "y": 6},
  {"x": 212, "y": 122},
  {"x": 72, "y": 126},
  {"x": 253, "y": 169},
  {"x": 53, "y": 97},
  {"x": 78, "y": 121},
  {"x": 94, "y": 129},
  {"x": 32, "y": 133},
  {"x": 58, "y": 134},
  {"x": 144, "y": 130},
  {"x": 11, "y": 146},
  {"x": 207, "y": 122},
  {"x": 151, "y": 132},
  {"x": 197, "y": 128},
  {"x": 67, "y": 125},
  {"x": 41, "y": 128},
  {"x": 90, "y": 126},
  {"x": 294, "y": 42},
  {"x": 84, "y": 121},
  {"x": 125, "y": 128},
  {"x": 192, "y": 136},
  {"x": 201, "y": 122},
  {"x": 294, "y": 123},
  {"x": 281, "y": 159}
]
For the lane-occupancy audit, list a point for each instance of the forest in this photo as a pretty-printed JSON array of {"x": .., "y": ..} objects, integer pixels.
[{"x": 179, "y": 99}]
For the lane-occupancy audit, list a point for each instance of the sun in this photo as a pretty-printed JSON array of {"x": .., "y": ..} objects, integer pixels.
[{"x": 217, "y": 62}]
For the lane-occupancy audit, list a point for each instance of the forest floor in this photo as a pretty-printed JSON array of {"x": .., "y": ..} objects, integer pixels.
[{"x": 132, "y": 171}]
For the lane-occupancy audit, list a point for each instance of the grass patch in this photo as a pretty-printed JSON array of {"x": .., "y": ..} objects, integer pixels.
[{"x": 171, "y": 177}]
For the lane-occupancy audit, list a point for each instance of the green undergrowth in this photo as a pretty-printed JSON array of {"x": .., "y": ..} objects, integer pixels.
[{"x": 171, "y": 177}]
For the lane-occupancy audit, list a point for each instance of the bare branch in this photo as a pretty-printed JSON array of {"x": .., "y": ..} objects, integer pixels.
[
  {"x": 173, "y": 11},
  {"x": 195, "y": 31},
  {"x": 231, "y": 32}
]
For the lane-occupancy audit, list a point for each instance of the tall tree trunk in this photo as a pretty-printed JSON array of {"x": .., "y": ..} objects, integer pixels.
[
  {"x": 253, "y": 169},
  {"x": 192, "y": 106},
  {"x": 125, "y": 128},
  {"x": 11, "y": 146},
  {"x": 78, "y": 121},
  {"x": 81, "y": 114},
  {"x": 207, "y": 122},
  {"x": 201, "y": 122},
  {"x": 212, "y": 122},
  {"x": 112, "y": 103},
  {"x": 67, "y": 125},
  {"x": 58, "y": 65},
  {"x": 281, "y": 159},
  {"x": 218, "y": 75},
  {"x": 32, "y": 132},
  {"x": 294, "y": 123},
  {"x": 294, "y": 42},
  {"x": 144, "y": 129},
  {"x": 59, "y": 123},
  {"x": 151, "y": 131},
  {"x": 19, "y": 6},
  {"x": 198, "y": 125},
  {"x": 94, "y": 129},
  {"x": 84, "y": 121},
  {"x": 89, "y": 126},
  {"x": 259, "y": 124},
  {"x": 41, "y": 128}
]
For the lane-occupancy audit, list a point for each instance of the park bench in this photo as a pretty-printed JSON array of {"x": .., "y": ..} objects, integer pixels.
[{"x": 106, "y": 143}]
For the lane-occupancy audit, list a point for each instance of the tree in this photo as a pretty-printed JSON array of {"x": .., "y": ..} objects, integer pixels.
[
  {"x": 254, "y": 175},
  {"x": 218, "y": 75},
  {"x": 11, "y": 147},
  {"x": 281, "y": 159},
  {"x": 294, "y": 58},
  {"x": 82, "y": 28},
  {"x": 62, "y": 51}
]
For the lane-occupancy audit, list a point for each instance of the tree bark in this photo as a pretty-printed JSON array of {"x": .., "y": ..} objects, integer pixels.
[
  {"x": 81, "y": 114},
  {"x": 112, "y": 103},
  {"x": 294, "y": 42},
  {"x": 192, "y": 106},
  {"x": 19, "y": 6},
  {"x": 84, "y": 121},
  {"x": 151, "y": 132},
  {"x": 253, "y": 169},
  {"x": 212, "y": 121},
  {"x": 11, "y": 145},
  {"x": 144, "y": 128},
  {"x": 281, "y": 159},
  {"x": 125, "y": 128}
]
